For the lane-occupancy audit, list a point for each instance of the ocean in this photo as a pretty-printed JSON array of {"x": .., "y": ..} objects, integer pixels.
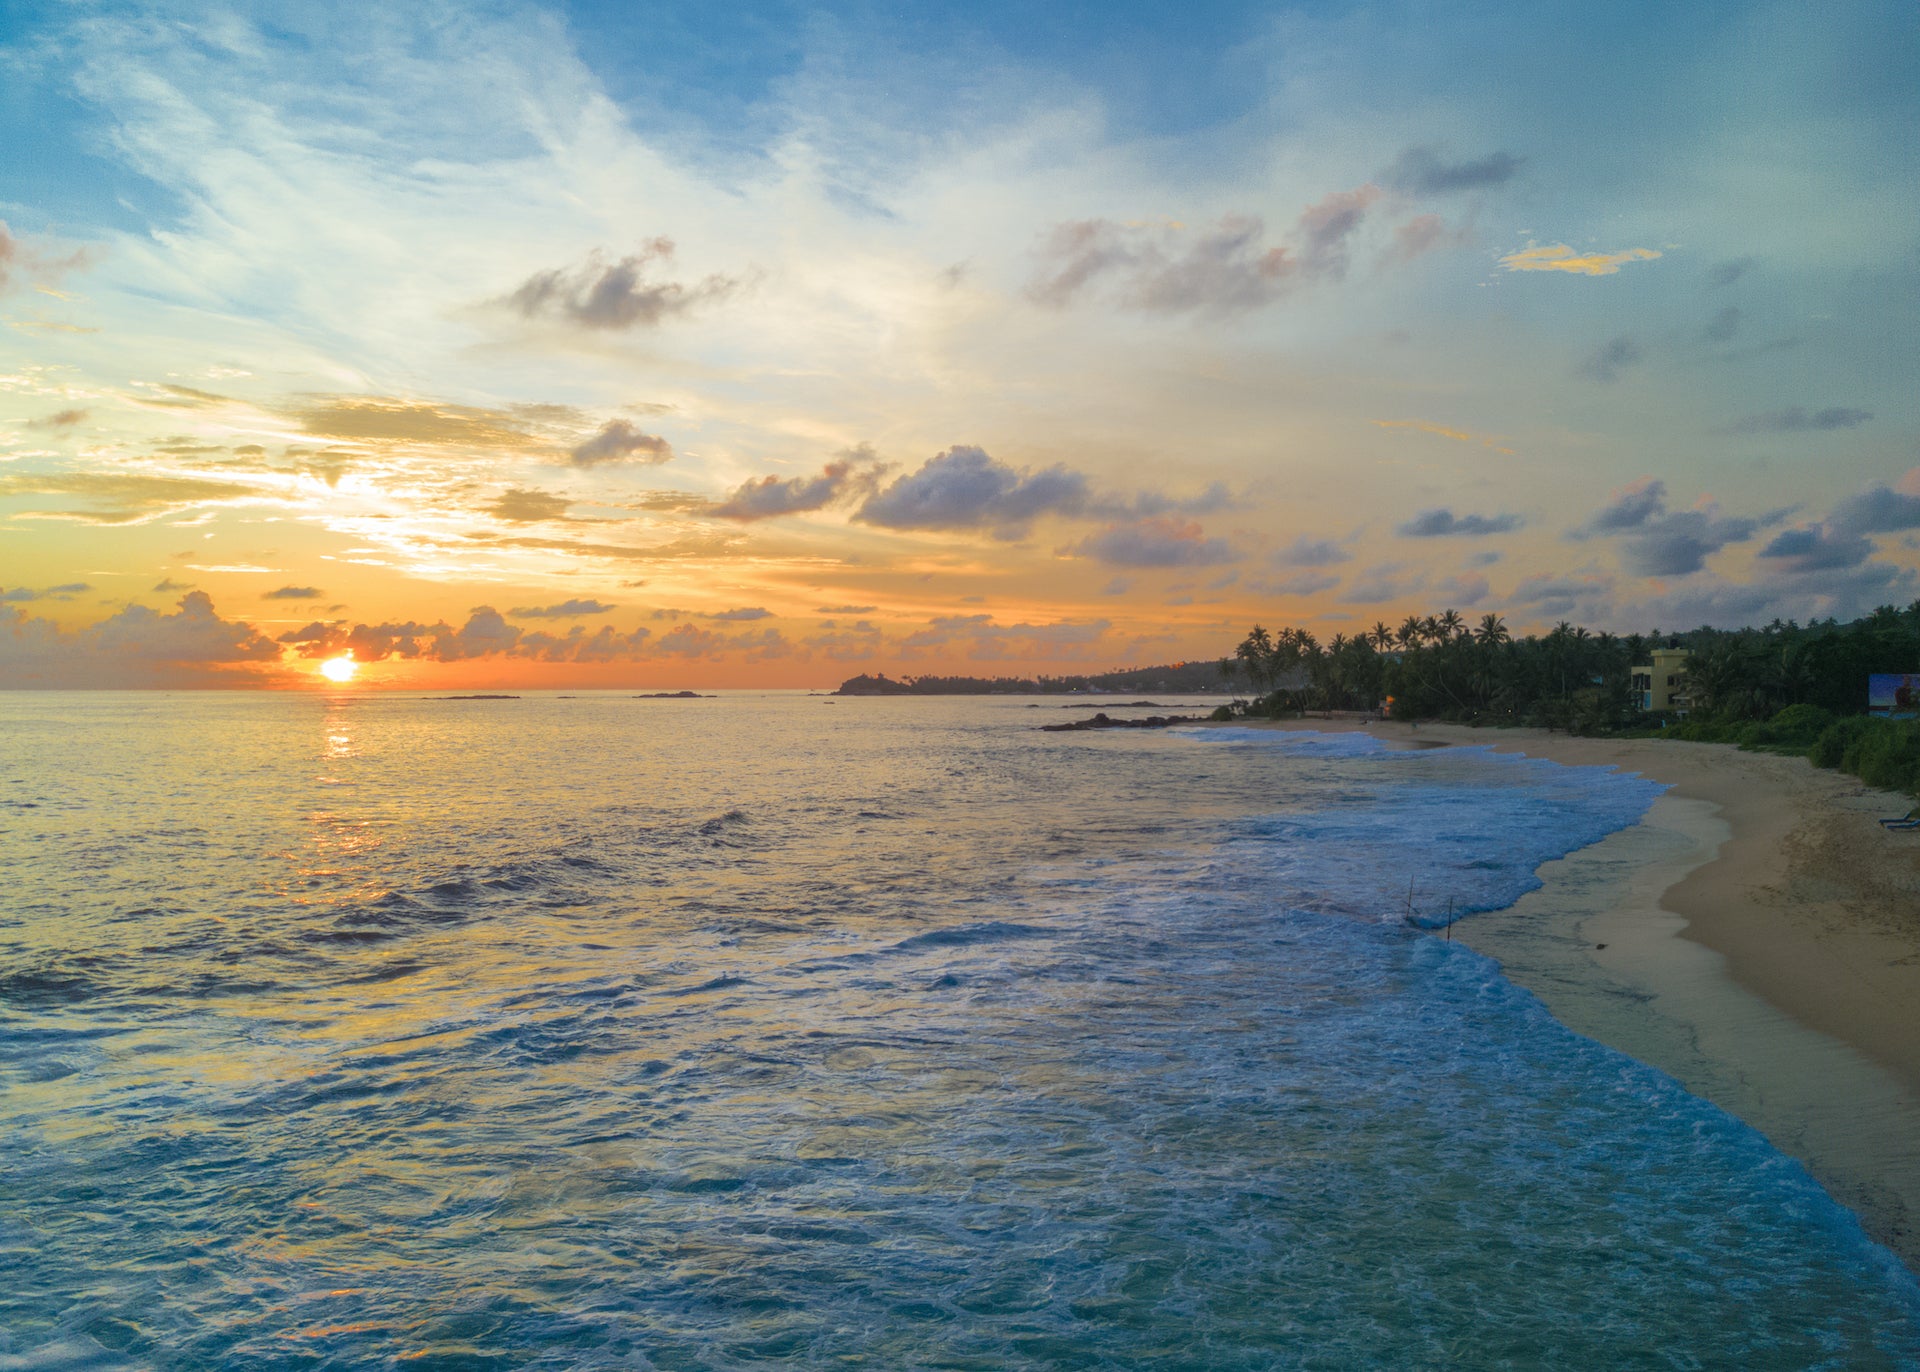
[{"x": 773, "y": 1030}]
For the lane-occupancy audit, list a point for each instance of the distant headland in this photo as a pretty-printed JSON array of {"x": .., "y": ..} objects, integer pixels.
[{"x": 1184, "y": 677}]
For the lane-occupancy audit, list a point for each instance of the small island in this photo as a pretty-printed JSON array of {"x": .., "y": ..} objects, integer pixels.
[{"x": 674, "y": 695}]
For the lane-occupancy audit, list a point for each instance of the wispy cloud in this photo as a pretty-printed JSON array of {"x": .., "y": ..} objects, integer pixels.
[
  {"x": 1422, "y": 171},
  {"x": 1444, "y": 523},
  {"x": 620, "y": 441},
  {"x": 1795, "y": 420},
  {"x": 1558, "y": 257},
  {"x": 1442, "y": 431}
]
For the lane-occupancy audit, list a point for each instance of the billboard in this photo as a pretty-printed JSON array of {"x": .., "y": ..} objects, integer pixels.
[{"x": 1894, "y": 696}]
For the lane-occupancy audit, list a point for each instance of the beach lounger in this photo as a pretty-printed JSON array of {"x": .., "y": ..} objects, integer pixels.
[{"x": 1910, "y": 820}]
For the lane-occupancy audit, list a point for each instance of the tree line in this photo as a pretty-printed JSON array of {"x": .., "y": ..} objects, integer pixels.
[{"x": 1784, "y": 686}]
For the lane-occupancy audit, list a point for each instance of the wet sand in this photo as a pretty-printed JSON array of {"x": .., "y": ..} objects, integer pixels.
[{"x": 1756, "y": 936}]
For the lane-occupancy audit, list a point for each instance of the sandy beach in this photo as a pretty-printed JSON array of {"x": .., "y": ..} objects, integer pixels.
[{"x": 1756, "y": 936}]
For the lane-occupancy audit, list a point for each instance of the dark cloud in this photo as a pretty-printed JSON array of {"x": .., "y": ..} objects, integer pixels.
[
  {"x": 770, "y": 496},
  {"x": 964, "y": 488},
  {"x": 1795, "y": 420},
  {"x": 1148, "y": 503},
  {"x": 529, "y": 507},
  {"x": 566, "y": 609},
  {"x": 1842, "y": 593},
  {"x": 1814, "y": 548},
  {"x": 193, "y": 646},
  {"x": 744, "y": 615},
  {"x": 1877, "y": 510},
  {"x": 618, "y": 295},
  {"x": 1444, "y": 523},
  {"x": 1723, "y": 326},
  {"x": 845, "y": 609},
  {"x": 1630, "y": 509},
  {"x": 21, "y": 595},
  {"x": 620, "y": 441},
  {"x": 1221, "y": 270},
  {"x": 1726, "y": 273},
  {"x": 1157, "y": 542},
  {"x": 169, "y": 584},
  {"x": 295, "y": 593},
  {"x": 1680, "y": 543},
  {"x": 59, "y": 419},
  {"x": 1421, "y": 171},
  {"x": 1657, "y": 542},
  {"x": 1611, "y": 358},
  {"x": 1310, "y": 552}
]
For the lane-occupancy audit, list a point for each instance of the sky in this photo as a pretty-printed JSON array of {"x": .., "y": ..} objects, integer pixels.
[{"x": 685, "y": 345}]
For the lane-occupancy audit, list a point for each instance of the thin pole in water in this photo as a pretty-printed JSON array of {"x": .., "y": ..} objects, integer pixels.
[
  {"x": 1449, "y": 919},
  {"x": 1409, "y": 900}
]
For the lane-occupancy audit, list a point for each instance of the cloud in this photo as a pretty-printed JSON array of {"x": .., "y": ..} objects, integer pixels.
[
  {"x": 1659, "y": 543},
  {"x": 1157, "y": 542},
  {"x": 169, "y": 584},
  {"x": 1726, "y": 273},
  {"x": 690, "y": 641},
  {"x": 742, "y": 616},
  {"x": 122, "y": 498},
  {"x": 964, "y": 488},
  {"x": 1814, "y": 547},
  {"x": 1444, "y": 523},
  {"x": 1723, "y": 326},
  {"x": 1877, "y": 510},
  {"x": 1558, "y": 257},
  {"x": 21, "y": 262},
  {"x": 378, "y": 419},
  {"x": 135, "y": 647},
  {"x": 1611, "y": 358},
  {"x": 1224, "y": 269},
  {"x": 1462, "y": 591},
  {"x": 1301, "y": 583},
  {"x": 529, "y": 507},
  {"x": 566, "y": 609},
  {"x": 770, "y": 496},
  {"x": 619, "y": 440},
  {"x": 295, "y": 593},
  {"x": 602, "y": 295},
  {"x": 1795, "y": 420},
  {"x": 1420, "y": 171},
  {"x": 1441, "y": 430},
  {"x": 1393, "y": 581},
  {"x": 1310, "y": 552},
  {"x": 1629, "y": 509},
  {"x": 986, "y": 641},
  {"x": 59, "y": 419},
  {"x": 1559, "y": 596},
  {"x": 845, "y": 609},
  {"x": 21, "y": 595}
]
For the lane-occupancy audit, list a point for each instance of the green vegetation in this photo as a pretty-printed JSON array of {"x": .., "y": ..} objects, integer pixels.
[{"x": 1790, "y": 688}]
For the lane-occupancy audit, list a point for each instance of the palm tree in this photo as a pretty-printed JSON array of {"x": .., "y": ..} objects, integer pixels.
[
  {"x": 1408, "y": 633},
  {"x": 1451, "y": 624},
  {"x": 1382, "y": 636},
  {"x": 1492, "y": 631}
]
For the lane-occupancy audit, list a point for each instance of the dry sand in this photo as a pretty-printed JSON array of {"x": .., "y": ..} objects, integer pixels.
[{"x": 1756, "y": 936}]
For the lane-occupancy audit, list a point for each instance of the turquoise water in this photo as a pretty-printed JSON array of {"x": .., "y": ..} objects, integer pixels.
[{"x": 762, "y": 1031}]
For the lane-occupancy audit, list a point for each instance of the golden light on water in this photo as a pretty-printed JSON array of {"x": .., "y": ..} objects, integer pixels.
[{"x": 339, "y": 669}]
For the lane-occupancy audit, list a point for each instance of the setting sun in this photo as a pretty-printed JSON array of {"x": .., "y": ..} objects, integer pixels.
[{"x": 340, "y": 669}]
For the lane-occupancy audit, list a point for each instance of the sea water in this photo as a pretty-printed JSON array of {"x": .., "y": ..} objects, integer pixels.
[{"x": 376, "y": 1030}]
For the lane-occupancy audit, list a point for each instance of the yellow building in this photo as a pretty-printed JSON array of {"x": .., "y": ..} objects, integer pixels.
[{"x": 1662, "y": 684}]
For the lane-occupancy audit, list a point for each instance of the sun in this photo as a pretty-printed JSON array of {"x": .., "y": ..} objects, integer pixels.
[{"x": 340, "y": 669}]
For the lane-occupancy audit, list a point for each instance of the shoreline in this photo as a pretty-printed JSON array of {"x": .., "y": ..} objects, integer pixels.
[{"x": 1756, "y": 936}]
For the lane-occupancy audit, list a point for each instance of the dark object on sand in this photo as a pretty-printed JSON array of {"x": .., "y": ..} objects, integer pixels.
[{"x": 675, "y": 695}]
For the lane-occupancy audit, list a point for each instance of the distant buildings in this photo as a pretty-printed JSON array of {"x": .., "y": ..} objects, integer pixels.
[{"x": 1662, "y": 684}]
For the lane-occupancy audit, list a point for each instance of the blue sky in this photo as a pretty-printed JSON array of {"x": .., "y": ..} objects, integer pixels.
[{"x": 344, "y": 293}]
